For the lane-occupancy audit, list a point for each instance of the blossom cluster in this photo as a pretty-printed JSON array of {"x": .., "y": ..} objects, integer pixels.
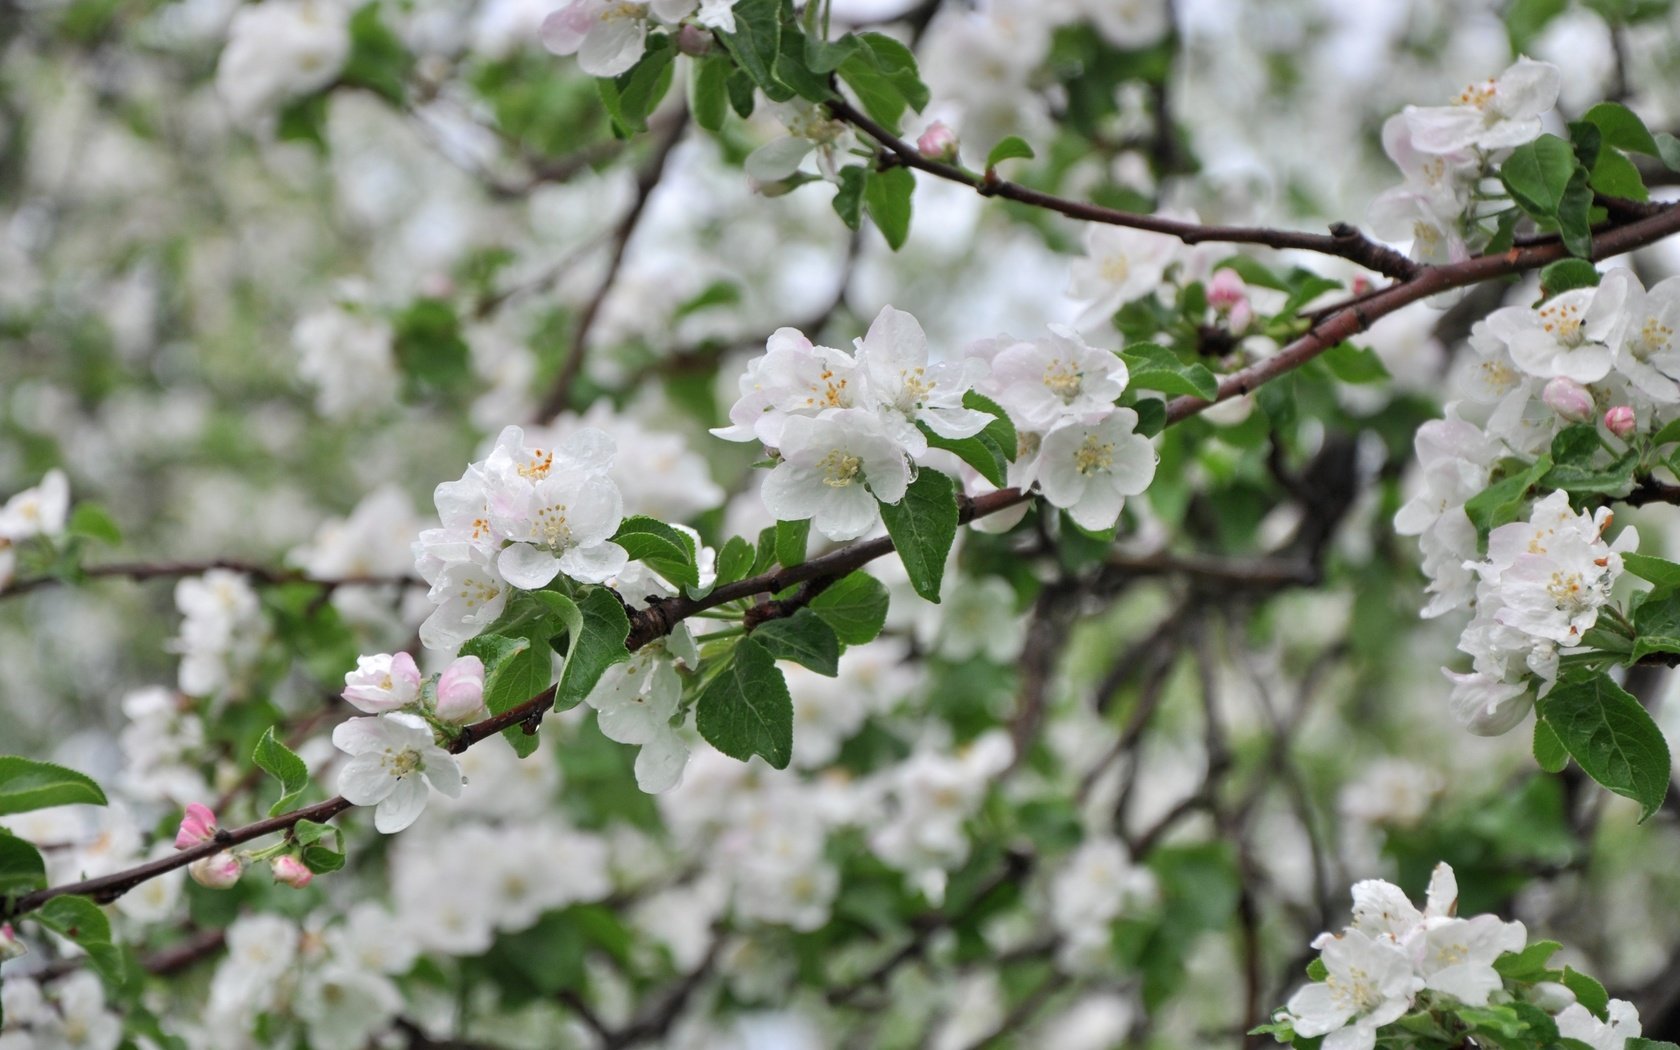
[
  {"x": 1444, "y": 152},
  {"x": 610, "y": 36},
  {"x": 1395, "y": 954},
  {"x": 848, "y": 429},
  {"x": 517, "y": 519},
  {"x": 41, "y": 511}
]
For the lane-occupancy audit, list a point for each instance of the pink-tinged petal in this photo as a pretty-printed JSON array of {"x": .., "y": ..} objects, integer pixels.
[
  {"x": 563, "y": 33},
  {"x": 364, "y": 780},
  {"x": 402, "y": 806}
]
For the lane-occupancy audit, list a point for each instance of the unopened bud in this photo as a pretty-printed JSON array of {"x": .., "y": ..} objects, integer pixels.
[
  {"x": 291, "y": 871},
  {"x": 198, "y": 826},
  {"x": 460, "y": 690},
  {"x": 10, "y": 946},
  {"x": 1568, "y": 399},
  {"x": 692, "y": 40},
  {"x": 938, "y": 142},
  {"x": 219, "y": 871},
  {"x": 1361, "y": 285},
  {"x": 1621, "y": 420},
  {"x": 1551, "y": 996},
  {"x": 1228, "y": 294}
]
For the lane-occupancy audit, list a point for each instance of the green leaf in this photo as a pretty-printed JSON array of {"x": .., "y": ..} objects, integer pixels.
[
  {"x": 668, "y": 551},
  {"x": 709, "y": 95},
  {"x": 283, "y": 764},
  {"x": 1012, "y": 148},
  {"x": 630, "y": 97},
  {"x": 1155, "y": 367},
  {"x": 26, "y": 784},
  {"x": 80, "y": 920},
  {"x": 742, "y": 94},
  {"x": 1549, "y": 752},
  {"x": 1588, "y": 992},
  {"x": 1656, "y": 626},
  {"x": 1317, "y": 971},
  {"x": 1574, "y": 218},
  {"x": 1660, "y": 571},
  {"x": 854, "y": 606},
  {"x": 1503, "y": 501},
  {"x": 1621, "y": 128},
  {"x": 848, "y": 197},
  {"x": 1152, "y": 415},
  {"x": 1611, "y": 737},
  {"x": 1641, "y": 1043},
  {"x": 429, "y": 347},
  {"x": 318, "y": 856},
  {"x": 1001, "y": 429},
  {"x": 793, "y": 70},
  {"x": 887, "y": 196},
  {"x": 1613, "y": 175},
  {"x": 1527, "y": 964},
  {"x": 21, "y": 866},
  {"x": 304, "y": 120},
  {"x": 898, "y": 64},
  {"x": 979, "y": 452},
  {"x": 793, "y": 538},
  {"x": 595, "y": 646},
  {"x": 378, "y": 60},
  {"x": 756, "y": 45},
  {"x": 745, "y": 710},
  {"x": 923, "y": 525},
  {"x": 734, "y": 561},
  {"x": 509, "y": 668},
  {"x": 1526, "y": 19},
  {"x": 1668, "y": 148},
  {"x": 1566, "y": 274},
  {"x": 805, "y": 638},
  {"x": 94, "y": 522},
  {"x": 1537, "y": 175},
  {"x": 1354, "y": 364}
]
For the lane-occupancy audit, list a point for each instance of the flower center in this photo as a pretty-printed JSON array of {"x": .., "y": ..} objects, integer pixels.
[
  {"x": 1094, "y": 455},
  {"x": 1562, "y": 321},
  {"x": 840, "y": 469},
  {"x": 478, "y": 592},
  {"x": 624, "y": 10},
  {"x": 829, "y": 391},
  {"x": 916, "y": 386},
  {"x": 539, "y": 466},
  {"x": 551, "y": 528},
  {"x": 1116, "y": 268},
  {"x": 1355, "y": 989},
  {"x": 1063, "y": 379},
  {"x": 1498, "y": 375},
  {"x": 1653, "y": 338},
  {"x": 1479, "y": 96},
  {"x": 402, "y": 763}
]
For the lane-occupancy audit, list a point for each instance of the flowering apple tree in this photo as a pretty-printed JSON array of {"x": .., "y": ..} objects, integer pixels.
[{"x": 628, "y": 589}]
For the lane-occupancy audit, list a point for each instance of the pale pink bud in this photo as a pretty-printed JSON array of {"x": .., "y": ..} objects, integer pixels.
[
  {"x": 218, "y": 871},
  {"x": 938, "y": 142},
  {"x": 199, "y": 825},
  {"x": 291, "y": 871},
  {"x": 1568, "y": 399},
  {"x": 10, "y": 946},
  {"x": 1226, "y": 289},
  {"x": 460, "y": 690},
  {"x": 1361, "y": 285},
  {"x": 692, "y": 40},
  {"x": 1620, "y": 420},
  {"x": 383, "y": 682}
]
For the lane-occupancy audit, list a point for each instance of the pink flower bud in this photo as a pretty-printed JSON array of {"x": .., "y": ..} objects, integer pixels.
[
  {"x": 199, "y": 825},
  {"x": 291, "y": 871},
  {"x": 1361, "y": 285},
  {"x": 460, "y": 690},
  {"x": 938, "y": 142},
  {"x": 1621, "y": 420},
  {"x": 1226, "y": 289},
  {"x": 10, "y": 946},
  {"x": 1569, "y": 399},
  {"x": 692, "y": 40},
  {"x": 218, "y": 871}
]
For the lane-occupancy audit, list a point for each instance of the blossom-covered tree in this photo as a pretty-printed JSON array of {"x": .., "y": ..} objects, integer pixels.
[{"x": 838, "y": 523}]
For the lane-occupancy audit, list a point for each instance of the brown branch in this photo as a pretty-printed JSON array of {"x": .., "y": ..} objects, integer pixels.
[
  {"x": 262, "y": 575},
  {"x": 559, "y": 396},
  {"x": 1343, "y": 240}
]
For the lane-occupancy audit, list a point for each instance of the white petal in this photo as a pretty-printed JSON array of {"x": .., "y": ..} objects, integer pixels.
[
  {"x": 595, "y": 564},
  {"x": 660, "y": 764},
  {"x": 777, "y": 159},
  {"x": 402, "y": 807},
  {"x": 527, "y": 567},
  {"x": 613, "y": 46},
  {"x": 364, "y": 781}
]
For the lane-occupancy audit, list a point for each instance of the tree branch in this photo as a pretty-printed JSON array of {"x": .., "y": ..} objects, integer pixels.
[
  {"x": 168, "y": 570},
  {"x": 1343, "y": 240}
]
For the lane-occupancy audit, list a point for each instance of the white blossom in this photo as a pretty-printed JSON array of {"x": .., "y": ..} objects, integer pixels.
[
  {"x": 1496, "y": 114},
  {"x": 394, "y": 759}
]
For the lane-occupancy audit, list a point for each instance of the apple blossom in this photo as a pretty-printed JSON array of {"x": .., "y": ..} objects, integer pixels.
[
  {"x": 1370, "y": 984},
  {"x": 383, "y": 682},
  {"x": 219, "y": 871},
  {"x": 39, "y": 511},
  {"x": 833, "y": 471},
  {"x": 607, "y": 36},
  {"x": 1646, "y": 349},
  {"x": 394, "y": 760},
  {"x": 1120, "y": 264},
  {"x": 1577, "y": 1022},
  {"x": 809, "y": 130},
  {"x": 1088, "y": 468},
  {"x": 903, "y": 389},
  {"x": 460, "y": 690},
  {"x": 291, "y": 871},
  {"x": 1057, "y": 377},
  {"x": 197, "y": 827},
  {"x": 280, "y": 50},
  {"x": 10, "y": 946},
  {"x": 1496, "y": 114}
]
